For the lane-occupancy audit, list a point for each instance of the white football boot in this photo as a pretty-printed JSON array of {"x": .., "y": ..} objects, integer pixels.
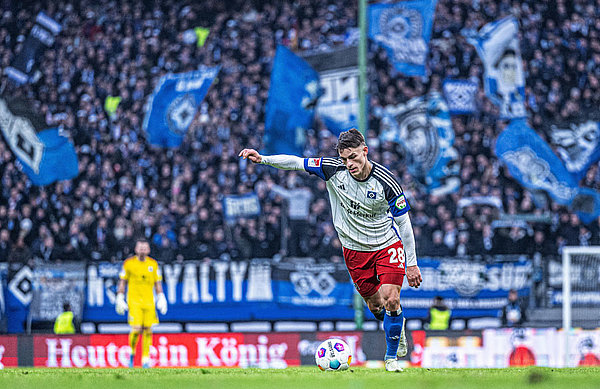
[
  {"x": 392, "y": 365},
  {"x": 402, "y": 344}
]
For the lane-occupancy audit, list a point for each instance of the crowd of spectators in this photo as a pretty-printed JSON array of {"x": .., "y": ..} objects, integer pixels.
[{"x": 173, "y": 197}]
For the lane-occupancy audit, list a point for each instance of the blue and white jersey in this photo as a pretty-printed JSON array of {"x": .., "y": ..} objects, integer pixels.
[{"x": 363, "y": 211}]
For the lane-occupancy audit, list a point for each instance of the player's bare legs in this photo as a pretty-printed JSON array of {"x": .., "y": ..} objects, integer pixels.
[
  {"x": 386, "y": 302},
  {"x": 134, "y": 336}
]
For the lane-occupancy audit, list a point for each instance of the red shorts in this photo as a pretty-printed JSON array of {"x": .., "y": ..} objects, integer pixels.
[{"x": 370, "y": 269}]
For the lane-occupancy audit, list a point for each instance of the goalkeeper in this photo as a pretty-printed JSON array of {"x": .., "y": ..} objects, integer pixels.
[{"x": 141, "y": 275}]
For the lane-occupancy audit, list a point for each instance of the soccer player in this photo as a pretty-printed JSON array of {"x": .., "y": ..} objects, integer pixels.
[
  {"x": 370, "y": 215},
  {"x": 141, "y": 275}
]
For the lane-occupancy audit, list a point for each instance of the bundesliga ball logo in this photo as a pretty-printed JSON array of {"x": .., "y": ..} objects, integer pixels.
[{"x": 333, "y": 354}]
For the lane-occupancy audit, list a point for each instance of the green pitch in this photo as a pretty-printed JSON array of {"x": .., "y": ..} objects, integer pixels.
[{"x": 301, "y": 377}]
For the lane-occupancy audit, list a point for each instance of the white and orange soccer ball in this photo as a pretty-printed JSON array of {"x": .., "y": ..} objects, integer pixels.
[{"x": 333, "y": 354}]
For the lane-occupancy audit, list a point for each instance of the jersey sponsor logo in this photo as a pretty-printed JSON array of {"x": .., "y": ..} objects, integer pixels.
[
  {"x": 342, "y": 187},
  {"x": 314, "y": 162},
  {"x": 401, "y": 202},
  {"x": 150, "y": 269},
  {"x": 354, "y": 204},
  {"x": 371, "y": 194}
]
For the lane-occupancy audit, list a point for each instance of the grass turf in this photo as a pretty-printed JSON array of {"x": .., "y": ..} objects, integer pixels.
[{"x": 300, "y": 377}]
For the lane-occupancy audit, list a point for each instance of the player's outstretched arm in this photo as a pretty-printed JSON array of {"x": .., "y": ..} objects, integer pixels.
[{"x": 282, "y": 161}]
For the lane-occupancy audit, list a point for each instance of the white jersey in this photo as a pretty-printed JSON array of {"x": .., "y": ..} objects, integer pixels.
[{"x": 363, "y": 211}]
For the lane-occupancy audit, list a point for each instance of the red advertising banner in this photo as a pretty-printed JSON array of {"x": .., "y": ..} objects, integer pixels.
[
  {"x": 8, "y": 351},
  {"x": 265, "y": 350}
]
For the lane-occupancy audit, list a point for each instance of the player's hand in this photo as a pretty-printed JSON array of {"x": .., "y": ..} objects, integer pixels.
[
  {"x": 413, "y": 275},
  {"x": 161, "y": 303},
  {"x": 120, "y": 304},
  {"x": 251, "y": 154}
]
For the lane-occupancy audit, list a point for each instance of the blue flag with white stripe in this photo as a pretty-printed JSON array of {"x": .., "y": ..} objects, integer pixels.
[
  {"x": 44, "y": 154},
  {"x": 424, "y": 131},
  {"x": 291, "y": 104},
  {"x": 504, "y": 82},
  {"x": 403, "y": 28},
  {"x": 174, "y": 103},
  {"x": 461, "y": 96},
  {"x": 531, "y": 161}
]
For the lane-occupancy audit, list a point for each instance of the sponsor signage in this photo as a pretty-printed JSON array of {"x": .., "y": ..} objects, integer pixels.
[{"x": 8, "y": 352}]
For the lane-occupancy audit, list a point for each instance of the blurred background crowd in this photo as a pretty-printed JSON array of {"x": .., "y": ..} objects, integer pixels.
[{"x": 126, "y": 188}]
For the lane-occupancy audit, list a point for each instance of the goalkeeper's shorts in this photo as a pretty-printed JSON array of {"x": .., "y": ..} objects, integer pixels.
[
  {"x": 371, "y": 269},
  {"x": 142, "y": 316}
]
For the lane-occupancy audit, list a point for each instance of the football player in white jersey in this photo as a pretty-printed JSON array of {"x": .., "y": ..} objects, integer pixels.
[{"x": 370, "y": 216}]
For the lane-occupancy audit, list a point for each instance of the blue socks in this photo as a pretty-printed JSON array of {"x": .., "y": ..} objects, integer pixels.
[{"x": 392, "y": 325}]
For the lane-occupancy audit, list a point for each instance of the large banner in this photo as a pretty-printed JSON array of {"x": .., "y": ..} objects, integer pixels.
[
  {"x": 44, "y": 153},
  {"x": 291, "y": 104},
  {"x": 585, "y": 283},
  {"x": 41, "y": 36},
  {"x": 470, "y": 289},
  {"x": 260, "y": 350},
  {"x": 424, "y": 130},
  {"x": 247, "y": 205},
  {"x": 504, "y": 82},
  {"x": 19, "y": 293},
  {"x": 54, "y": 285},
  {"x": 233, "y": 291},
  {"x": 173, "y": 105},
  {"x": 578, "y": 145},
  {"x": 312, "y": 285},
  {"x": 403, "y": 29},
  {"x": 337, "y": 107},
  {"x": 531, "y": 161}
]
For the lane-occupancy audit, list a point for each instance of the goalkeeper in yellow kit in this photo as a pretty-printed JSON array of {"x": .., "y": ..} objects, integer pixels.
[{"x": 141, "y": 275}]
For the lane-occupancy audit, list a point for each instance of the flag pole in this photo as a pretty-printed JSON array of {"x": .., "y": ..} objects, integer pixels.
[{"x": 362, "y": 67}]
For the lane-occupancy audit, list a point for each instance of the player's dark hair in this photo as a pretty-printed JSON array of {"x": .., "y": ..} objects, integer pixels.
[
  {"x": 142, "y": 240},
  {"x": 350, "y": 139}
]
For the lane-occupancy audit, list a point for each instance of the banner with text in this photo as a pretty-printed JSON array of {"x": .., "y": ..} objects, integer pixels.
[{"x": 470, "y": 289}]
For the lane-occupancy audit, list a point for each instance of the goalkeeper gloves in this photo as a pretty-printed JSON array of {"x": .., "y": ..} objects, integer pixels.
[
  {"x": 161, "y": 303},
  {"x": 120, "y": 304}
]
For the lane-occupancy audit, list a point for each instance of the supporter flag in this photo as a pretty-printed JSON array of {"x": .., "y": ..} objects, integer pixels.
[
  {"x": 247, "y": 205},
  {"x": 530, "y": 161},
  {"x": 338, "y": 73},
  {"x": 41, "y": 36},
  {"x": 291, "y": 104},
  {"x": 461, "y": 96},
  {"x": 173, "y": 105},
  {"x": 578, "y": 145},
  {"x": 45, "y": 155},
  {"x": 498, "y": 46},
  {"x": 403, "y": 28},
  {"x": 424, "y": 131}
]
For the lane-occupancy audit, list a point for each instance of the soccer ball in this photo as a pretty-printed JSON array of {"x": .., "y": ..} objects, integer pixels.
[{"x": 333, "y": 354}]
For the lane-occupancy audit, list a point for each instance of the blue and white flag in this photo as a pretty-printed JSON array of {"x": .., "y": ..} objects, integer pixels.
[
  {"x": 498, "y": 46},
  {"x": 173, "y": 105},
  {"x": 338, "y": 104},
  {"x": 578, "y": 145},
  {"x": 530, "y": 161},
  {"x": 424, "y": 130},
  {"x": 247, "y": 205},
  {"x": 291, "y": 104},
  {"x": 461, "y": 96},
  {"x": 403, "y": 28},
  {"x": 44, "y": 154}
]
